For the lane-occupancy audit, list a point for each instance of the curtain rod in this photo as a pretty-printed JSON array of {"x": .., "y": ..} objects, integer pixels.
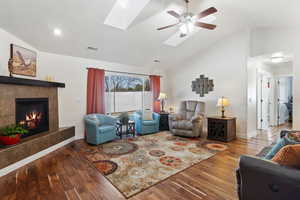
[{"x": 125, "y": 72}]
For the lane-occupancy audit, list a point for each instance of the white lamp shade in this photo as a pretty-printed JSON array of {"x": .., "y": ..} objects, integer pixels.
[
  {"x": 162, "y": 96},
  {"x": 223, "y": 102}
]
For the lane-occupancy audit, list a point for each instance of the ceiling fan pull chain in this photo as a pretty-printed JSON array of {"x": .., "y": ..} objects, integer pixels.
[{"x": 187, "y": 5}]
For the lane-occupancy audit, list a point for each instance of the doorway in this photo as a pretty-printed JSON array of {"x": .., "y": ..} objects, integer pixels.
[
  {"x": 274, "y": 94},
  {"x": 284, "y": 100},
  {"x": 269, "y": 93}
]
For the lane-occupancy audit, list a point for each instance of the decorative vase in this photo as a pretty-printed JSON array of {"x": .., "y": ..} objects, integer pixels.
[{"x": 10, "y": 140}]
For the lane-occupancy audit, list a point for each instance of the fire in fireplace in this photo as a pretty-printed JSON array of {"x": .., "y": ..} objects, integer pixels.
[
  {"x": 32, "y": 120},
  {"x": 32, "y": 114}
]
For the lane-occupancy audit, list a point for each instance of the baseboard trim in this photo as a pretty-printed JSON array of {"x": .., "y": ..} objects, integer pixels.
[{"x": 34, "y": 157}]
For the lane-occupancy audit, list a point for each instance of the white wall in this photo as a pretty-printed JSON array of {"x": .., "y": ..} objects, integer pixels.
[
  {"x": 283, "y": 69},
  {"x": 226, "y": 63},
  {"x": 252, "y": 97},
  {"x": 70, "y": 70}
]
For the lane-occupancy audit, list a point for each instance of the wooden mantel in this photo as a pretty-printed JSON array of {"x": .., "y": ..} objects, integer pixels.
[{"x": 29, "y": 82}]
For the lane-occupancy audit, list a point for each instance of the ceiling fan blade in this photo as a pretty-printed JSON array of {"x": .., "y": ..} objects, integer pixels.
[
  {"x": 165, "y": 27},
  {"x": 207, "y": 12},
  {"x": 204, "y": 25},
  {"x": 174, "y": 14}
]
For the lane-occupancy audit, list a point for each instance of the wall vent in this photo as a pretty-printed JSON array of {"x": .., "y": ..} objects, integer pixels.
[{"x": 93, "y": 48}]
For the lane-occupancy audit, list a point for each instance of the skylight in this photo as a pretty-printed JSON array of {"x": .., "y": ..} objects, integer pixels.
[{"x": 124, "y": 12}]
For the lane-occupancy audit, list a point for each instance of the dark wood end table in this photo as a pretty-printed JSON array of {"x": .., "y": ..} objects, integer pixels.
[
  {"x": 222, "y": 129},
  {"x": 164, "y": 122},
  {"x": 126, "y": 129}
]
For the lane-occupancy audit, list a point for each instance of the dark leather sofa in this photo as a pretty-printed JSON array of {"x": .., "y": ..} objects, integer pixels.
[{"x": 259, "y": 179}]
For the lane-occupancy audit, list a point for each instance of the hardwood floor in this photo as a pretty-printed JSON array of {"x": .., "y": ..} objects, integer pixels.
[{"x": 65, "y": 174}]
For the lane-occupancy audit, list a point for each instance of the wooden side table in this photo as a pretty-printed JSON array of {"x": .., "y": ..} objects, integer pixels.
[
  {"x": 222, "y": 129},
  {"x": 164, "y": 122}
]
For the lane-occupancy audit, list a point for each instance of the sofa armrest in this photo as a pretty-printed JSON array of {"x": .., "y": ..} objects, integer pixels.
[
  {"x": 285, "y": 132},
  {"x": 137, "y": 118},
  {"x": 156, "y": 117},
  {"x": 90, "y": 126},
  {"x": 91, "y": 122},
  {"x": 262, "y": 179}
]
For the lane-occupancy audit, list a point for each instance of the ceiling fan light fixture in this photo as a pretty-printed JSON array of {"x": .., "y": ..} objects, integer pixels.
[
  {"x": 188, "y": 21},
  {"x": 183, "y": 29},
  {"x": 190, "y": 26},
  {"x": 186, "y": 28}
]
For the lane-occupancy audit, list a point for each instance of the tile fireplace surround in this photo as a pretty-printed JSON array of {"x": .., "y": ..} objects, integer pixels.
[{"x": 14, "y": 88}]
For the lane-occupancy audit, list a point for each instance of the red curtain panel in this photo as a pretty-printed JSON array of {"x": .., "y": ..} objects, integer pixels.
[
  {"x": 155, "y": 88},
  {"x": 95, "y": 91}
]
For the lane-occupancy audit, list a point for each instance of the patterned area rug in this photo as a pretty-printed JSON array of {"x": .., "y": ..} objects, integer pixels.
[{"x": 135, "y": 164}]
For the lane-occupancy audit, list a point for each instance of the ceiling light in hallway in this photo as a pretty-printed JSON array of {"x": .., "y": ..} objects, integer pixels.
[
  {"x": 57, "y": 32},
  {"x": 277, "y": 57}
]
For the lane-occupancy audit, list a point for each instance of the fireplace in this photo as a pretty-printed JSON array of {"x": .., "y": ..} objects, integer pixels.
[{"x": 32, "y": 114}]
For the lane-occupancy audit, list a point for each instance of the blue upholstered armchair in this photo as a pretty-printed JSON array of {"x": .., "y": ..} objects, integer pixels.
[
  {"x": 100, "y": 128},
  {"x": 146, "y": 126}
]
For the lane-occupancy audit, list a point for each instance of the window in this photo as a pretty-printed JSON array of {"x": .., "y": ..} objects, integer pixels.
[{"x": 126, "y": 93}]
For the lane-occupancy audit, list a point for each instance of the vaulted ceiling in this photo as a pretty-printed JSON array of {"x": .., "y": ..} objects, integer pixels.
[{"x": 82, "y": 25}]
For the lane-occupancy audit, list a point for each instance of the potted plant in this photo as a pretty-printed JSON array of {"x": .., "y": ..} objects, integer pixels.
[
  {"x": 11, "y": 135},
  {"x": 124, "y": 118}
]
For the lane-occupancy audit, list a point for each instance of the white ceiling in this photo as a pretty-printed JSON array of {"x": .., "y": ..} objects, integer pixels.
[{"x": 82, "y": 25}]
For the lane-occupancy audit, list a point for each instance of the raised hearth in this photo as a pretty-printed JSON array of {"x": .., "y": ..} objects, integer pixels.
[{"x": 34, "y": 144}]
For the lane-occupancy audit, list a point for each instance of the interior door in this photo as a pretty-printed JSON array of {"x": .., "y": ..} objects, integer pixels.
[
  {"x": 282, "y": 100},
  {"x": 263, "y": 102}
]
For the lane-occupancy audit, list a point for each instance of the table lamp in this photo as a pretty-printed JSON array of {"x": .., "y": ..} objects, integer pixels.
[
  {"x": 162, "y": 97},
  {"x": 223, "y": 102}
]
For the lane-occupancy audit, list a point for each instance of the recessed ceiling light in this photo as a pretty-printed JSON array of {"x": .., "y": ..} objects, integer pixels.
[
  {"x": 57, "y": 32},
  {"x": 156, "y": 61}
]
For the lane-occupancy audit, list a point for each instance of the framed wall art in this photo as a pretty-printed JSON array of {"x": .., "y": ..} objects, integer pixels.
[{"x": 22, "y": 61}]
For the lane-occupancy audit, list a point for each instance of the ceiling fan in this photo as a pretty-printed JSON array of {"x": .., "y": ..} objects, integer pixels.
[{"x": 187, "y": 20}]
